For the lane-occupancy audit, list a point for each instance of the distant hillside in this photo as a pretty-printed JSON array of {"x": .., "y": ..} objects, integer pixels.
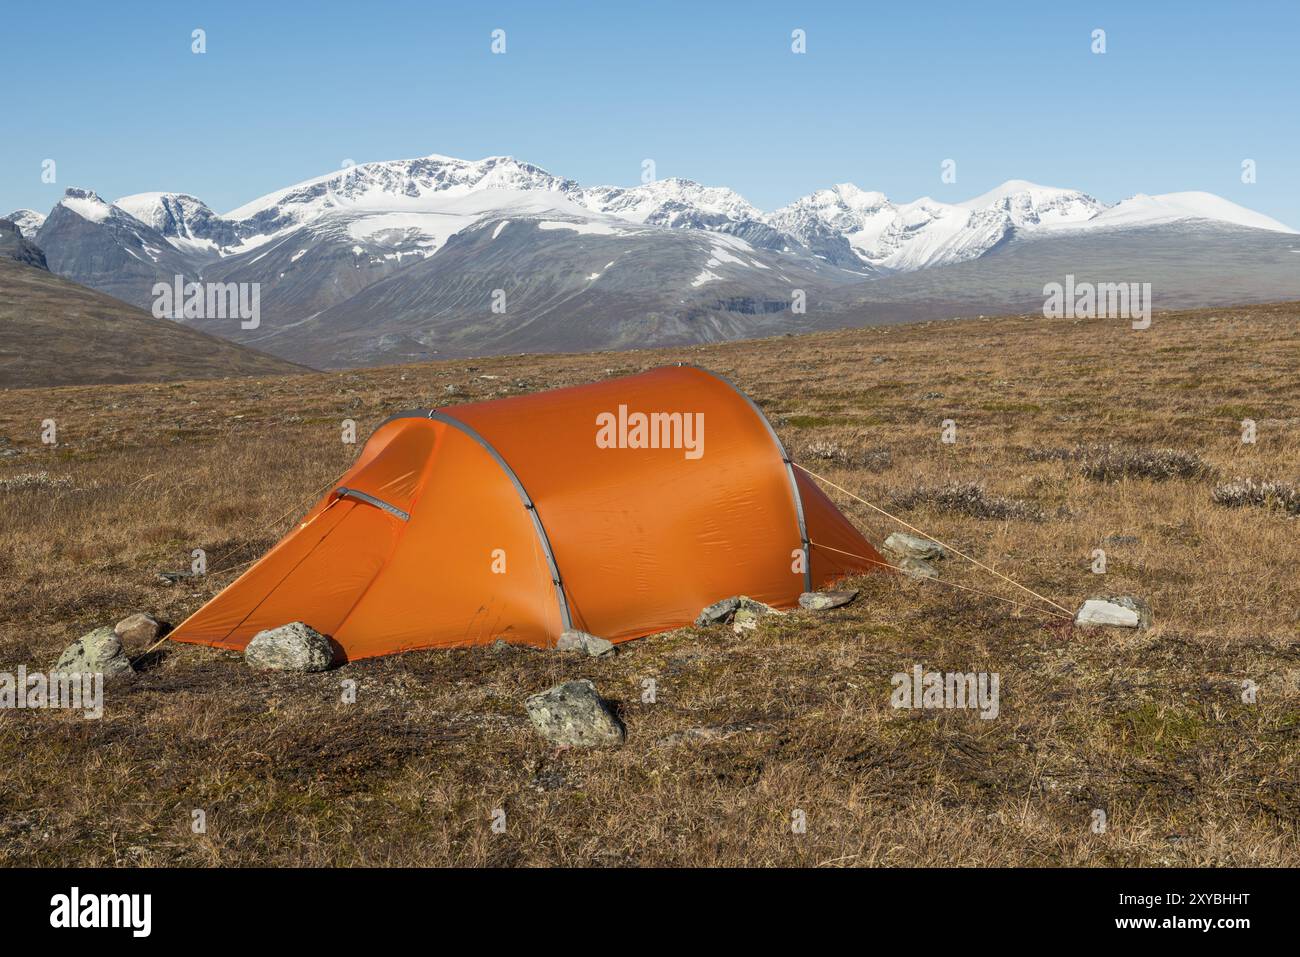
[{"x": 54, "y": 332}]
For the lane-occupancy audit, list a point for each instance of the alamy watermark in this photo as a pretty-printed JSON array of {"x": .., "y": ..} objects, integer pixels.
[
  {"x": 970, "y": 690},
  {"x": 209, "y": 300},
  {"x": 74, "y": 691},
  {"x": 651, "y": 430},
  {"x": 75, "y": 909},
  {"x": 1104, "y": 300}
]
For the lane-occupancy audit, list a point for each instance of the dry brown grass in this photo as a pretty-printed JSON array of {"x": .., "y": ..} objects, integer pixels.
[{"x": 1148, "y": 726}]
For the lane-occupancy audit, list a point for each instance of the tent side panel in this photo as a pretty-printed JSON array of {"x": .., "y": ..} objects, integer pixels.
[
  {"x": 318, "y": 571},
  {"x": 844, "y": 551},
  {"x": 468, "y": 570},
  {"x": 314, "y": 576},
  {"x": 645, "y": 534}
]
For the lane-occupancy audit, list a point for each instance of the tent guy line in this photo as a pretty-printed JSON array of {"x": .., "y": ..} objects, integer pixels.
[
  {"x": 940, "y": 581},
  {"x": 955, "y": 551}
]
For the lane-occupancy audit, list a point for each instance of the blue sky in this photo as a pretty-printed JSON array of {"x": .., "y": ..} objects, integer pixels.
[{"x": 710, "y": 91}]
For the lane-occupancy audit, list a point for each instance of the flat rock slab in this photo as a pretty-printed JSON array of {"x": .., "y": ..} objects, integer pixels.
[
  {"x": 825, "y": 600},
  {"x": 574, "y": 715},
  {"x": 1122, "y": 611},
  {"x": 293, "y": 647},
  {"x": 588, "y": 644},
  {"x": 96, "y": 652},
  {"x": 914, "y": 546},
  {"x": 917, "y": 568}
]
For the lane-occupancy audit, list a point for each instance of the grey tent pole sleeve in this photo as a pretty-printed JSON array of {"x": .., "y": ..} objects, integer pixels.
[
  {"x": 804, "y": 543},
  {"x": 344, "y": 492},
  {"x": 566, "y": 619}
]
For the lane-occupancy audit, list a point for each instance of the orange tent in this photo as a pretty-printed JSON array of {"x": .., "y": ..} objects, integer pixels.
[{"x": 620, "y": 508}]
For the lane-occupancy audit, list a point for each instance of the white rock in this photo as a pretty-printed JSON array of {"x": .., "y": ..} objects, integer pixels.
[
  {"x": 1123, "y": 611},
  {"x": 292, "y": 647}
]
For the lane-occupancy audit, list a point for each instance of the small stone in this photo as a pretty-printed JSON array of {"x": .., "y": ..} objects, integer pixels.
[
  {"x": 718, "y": 613},
  {"x": 744, "y": 620},
  {"x": 574, "y": 715},
  {"x": 1123, "y": 611},
  {"x": 913, "y": 546},
  {"x": 917, "y": 568},
  {"x": 575, "y": 640},
  {"x": 825, "y": 600},
  {"x": 293, "y": 647},
  {"x": 96, "y": 652},
  {"x": 138, "y": 629}
]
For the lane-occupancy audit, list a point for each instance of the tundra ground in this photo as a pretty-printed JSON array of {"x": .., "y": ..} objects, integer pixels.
[{"x": 1060, "y": 428}]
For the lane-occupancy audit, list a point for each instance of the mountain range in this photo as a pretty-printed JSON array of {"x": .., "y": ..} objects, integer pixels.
[{"x": 436, "y": 256}]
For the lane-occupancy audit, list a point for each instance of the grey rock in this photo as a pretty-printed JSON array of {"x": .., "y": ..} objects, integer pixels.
[
  {"x": 917, "y": 568},
  {"x": 96, "y": 652},
  {"x": 721, "y": 612},
  {"x": 138, "y": 628},
  {"x": 825, "y": 600},
  {"x": 292, "y": 647},
  {"x": 588, "y": 644},
  {"x": 1123, "y": 611},
  {"x": 913, "y": 546},
  {"x": 574, "y": 715},
  {"x": 718, "y": 613}
]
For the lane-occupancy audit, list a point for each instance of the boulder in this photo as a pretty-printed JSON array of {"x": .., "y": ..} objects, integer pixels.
[
  {"x": 574, "y": 715},
  {"x": 913, "y": 546},
  {"x": 138, "y": 629},
  {"x": 588, "y": 644},
  {"x": 96, "y": 652},
  {"x": 1123, "y": 611},
  {"x": 825, "y": 600},
  {"x": 292, "y": 647}
]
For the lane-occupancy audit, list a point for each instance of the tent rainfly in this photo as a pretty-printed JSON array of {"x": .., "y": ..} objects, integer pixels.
[{"x": 620, "y": 508}]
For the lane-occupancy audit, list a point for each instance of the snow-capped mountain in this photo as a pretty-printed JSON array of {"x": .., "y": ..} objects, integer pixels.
[
  {"x": 676, "y": 203},
  {"x": 427, "y": 186},
  {"x": 28, "y": 221},
  {"x": 103, "y": 246},
  {"x": 382, "y": 260},
  {"x": 1143, "y": 210},
  {"x": 926, "y": 232},
  {"x": 187, "y": 222}
]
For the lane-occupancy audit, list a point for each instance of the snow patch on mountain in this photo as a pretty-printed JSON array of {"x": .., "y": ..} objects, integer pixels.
[
  {"x": 1144, "y": 210},
  {"x": 86, "y": 204},
  {"x": 28, "y": 222},
  {"x": 675, "y": 203}
]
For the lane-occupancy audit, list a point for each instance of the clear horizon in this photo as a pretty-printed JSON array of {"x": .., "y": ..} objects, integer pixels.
[{"x": 1181, "y": 97}]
